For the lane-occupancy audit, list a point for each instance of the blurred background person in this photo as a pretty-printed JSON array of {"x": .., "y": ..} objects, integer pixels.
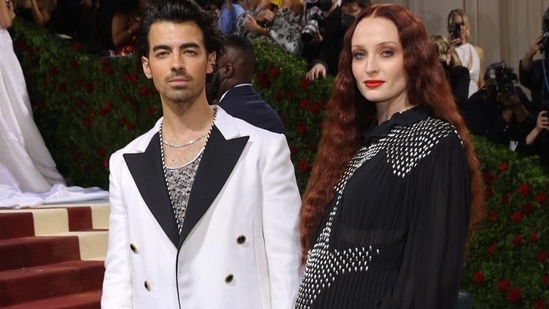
[
  {"x": 229, "y": 11},
  {"x": 533, "y": 73},
  {"x": 457, "y": 75},
  {"x": 37, "y": 11},
  {"x": 500, "y": 111},
  {"x": 284, "y": 28},
  {"x": 324, "y": 27},
  {"x": 25, "y": 162},
  {"x": 232, "y": 89},
  {"x": 125, "y": 24},
  {"x": 471, "y": 56},
  {"x": 538, "y": 138}
]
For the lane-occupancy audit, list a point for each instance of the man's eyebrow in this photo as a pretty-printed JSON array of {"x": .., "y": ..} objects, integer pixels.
[{"x": 182, "y": 46}]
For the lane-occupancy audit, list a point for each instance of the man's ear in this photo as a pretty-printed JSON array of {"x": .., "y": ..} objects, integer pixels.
[
  {"x": 212, "y": 58},
  {"x": 227, "y": 70},
  {"x": 146, "y": 67}
]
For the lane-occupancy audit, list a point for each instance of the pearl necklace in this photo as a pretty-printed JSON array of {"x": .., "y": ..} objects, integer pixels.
[{"x": 164, "y": 168}]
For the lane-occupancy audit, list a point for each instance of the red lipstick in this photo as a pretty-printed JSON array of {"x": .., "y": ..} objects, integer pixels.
[{"x": 373, "y": 83}]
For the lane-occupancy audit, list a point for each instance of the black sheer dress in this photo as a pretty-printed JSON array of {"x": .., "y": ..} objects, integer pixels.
[{"x": 395, "y": 231}]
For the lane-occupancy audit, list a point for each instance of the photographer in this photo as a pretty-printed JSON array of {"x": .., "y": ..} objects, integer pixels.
[
  {"x": 532, "y": 73},
  {"x": 500, "y": 111},
  {"x": 538, "y": 138},
  {"x": 325, "y": 24}
]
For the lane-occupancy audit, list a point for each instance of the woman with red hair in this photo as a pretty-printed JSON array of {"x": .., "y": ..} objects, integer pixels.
[{"x": 396, "y": 185}]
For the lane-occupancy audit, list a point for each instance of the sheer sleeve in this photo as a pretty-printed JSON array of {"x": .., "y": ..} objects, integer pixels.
[{"x": 430, "y": 273}]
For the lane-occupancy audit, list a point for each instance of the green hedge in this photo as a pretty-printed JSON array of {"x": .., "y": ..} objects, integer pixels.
[{"x": 87, "y": 107}]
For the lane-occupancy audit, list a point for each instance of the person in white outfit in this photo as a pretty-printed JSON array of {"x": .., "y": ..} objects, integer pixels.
[
  {"x": 25, "y": 162},
  {"x": 204, "y": 206},
  {"x": 471, "y": 56}
]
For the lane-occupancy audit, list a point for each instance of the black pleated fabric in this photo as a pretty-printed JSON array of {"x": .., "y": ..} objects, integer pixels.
[{"x": 395, "y": 231}]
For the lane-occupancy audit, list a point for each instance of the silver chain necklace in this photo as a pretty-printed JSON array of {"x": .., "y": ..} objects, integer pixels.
[
  {"x": 184, "y": 144},
  {"x": 164, "y": 168}
]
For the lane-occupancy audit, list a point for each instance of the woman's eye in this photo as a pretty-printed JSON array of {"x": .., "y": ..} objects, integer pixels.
[{"x": 358, "y": 55}]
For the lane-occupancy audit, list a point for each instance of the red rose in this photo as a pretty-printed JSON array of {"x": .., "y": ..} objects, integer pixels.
[
  {"x": 86, "y": 122},
  {"x": 89, "y": 87},
  {"x": 302, "y": 129},
  {"x": 488, "y": 177},
  {"x": 517, "y": 240},
  {"x": 541, "y": 256},
  {"x": 303, "y": 104},
  {"x": 79, "y": 102},
  {"x": 122, "y": 121},
  {"x": 130, "y": 126},
  {"x": 517, "y": 216},
  {"x": 41, "y": 104},
  {"x": 315, "y": 108},
  {"x": 488, "y": 192},
  {"x": 540, "y": 304},
  {"x": 303, "y": 166},
  {"x": 304, "y": 83},
  {"x": 540, "y": 198},
  {"x": 75, "y": 65},
  {"x": 546, "y": 280},
  {"x": 492, "y": 216},
  {"x": 492, "y": 249},
  {"x": 108, "y": 69},
  {"x": 53, "y": 71},
  {"x": 106, "y": 163},
  {"x": 478, "y": 277},
  {"x": 503, "y": 166},
  {"x": 503, "y": 285},
  {"x": 101, "y": 151},
  {"x": 275, "y": 72},
  {"x": 77, "y": 156},
  {"x": 534, "y": 236},
  {"x": 524, "y": 189},
  {"x": 514, "y": 295},
  {"x": 151, "y": 110},
  {"x": 290, "y": 94},
  {"x": 528, "y": 208},
  {"x": 505, "y": 198},
  {"x": 103, "y": 60},
  {"x": 76, "y": 46}
]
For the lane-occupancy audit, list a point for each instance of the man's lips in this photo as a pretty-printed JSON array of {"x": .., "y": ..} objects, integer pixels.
[{"x": 373, "y": 83}]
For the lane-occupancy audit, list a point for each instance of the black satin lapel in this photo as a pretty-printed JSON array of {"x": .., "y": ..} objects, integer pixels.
[
  {"x": 148, "y": 174},
  {"x": 217, "y": 163}
]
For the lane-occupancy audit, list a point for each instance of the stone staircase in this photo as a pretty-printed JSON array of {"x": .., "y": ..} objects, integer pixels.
[{"x": 51, "y": 257}]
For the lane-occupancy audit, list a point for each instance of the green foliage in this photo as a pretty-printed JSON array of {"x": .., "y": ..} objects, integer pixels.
[
  {"x": 86, "y": 108},
  {"x": 508, "y": 266}
]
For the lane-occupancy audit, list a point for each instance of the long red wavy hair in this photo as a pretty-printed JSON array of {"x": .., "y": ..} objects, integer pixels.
[{"x": 349, "y": 113}]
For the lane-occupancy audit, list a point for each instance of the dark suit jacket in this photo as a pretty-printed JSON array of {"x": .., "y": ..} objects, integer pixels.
[{"x": 245, "y": 103}]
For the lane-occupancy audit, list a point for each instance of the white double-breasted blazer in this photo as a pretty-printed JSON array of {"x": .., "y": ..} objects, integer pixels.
[{"x": 239, "y": 245}]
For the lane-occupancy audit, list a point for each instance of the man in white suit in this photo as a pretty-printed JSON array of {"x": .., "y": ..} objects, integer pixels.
[{"x": 204, "y": 206}]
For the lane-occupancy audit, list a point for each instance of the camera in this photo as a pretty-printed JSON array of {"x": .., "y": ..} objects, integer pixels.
[
  {"x": 309, "y": 31},
  {"x": 503, "y": 78},
  {"x": 455, "y": 31}
]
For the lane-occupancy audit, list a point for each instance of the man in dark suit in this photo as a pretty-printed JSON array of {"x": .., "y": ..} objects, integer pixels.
[{"x": 231, "y": 86}]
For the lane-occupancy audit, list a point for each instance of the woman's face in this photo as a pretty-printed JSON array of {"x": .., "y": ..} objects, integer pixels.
[{"x": 378, "y": 62}]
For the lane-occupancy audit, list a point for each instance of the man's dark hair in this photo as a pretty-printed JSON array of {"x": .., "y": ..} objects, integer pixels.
[
  {"x": 361, "y": 3},
  {"x": 179, "y": 11},
  {"x": 244, "y": 47}
]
